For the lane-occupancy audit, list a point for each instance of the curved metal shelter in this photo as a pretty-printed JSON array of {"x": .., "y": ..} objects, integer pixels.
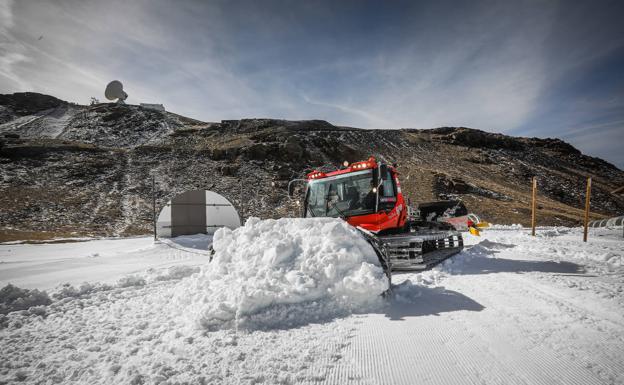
[
  {"x": 610, "y": 222},
  {"x": 196, "y": 212}
]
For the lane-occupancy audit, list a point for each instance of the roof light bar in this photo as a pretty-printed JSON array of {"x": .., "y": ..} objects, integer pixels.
[
  {"x": 316, "y": 175},
  {"x": 364, "y": 165}
]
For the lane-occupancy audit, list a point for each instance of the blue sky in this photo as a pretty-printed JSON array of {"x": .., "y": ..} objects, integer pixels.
[{"x": 526, "y": 68}]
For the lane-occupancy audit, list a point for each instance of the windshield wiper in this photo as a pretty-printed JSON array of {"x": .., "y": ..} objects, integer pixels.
[{"x": 340, "y": 212}]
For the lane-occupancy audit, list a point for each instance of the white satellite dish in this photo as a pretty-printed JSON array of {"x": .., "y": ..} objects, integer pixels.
[{"x": 114, "y": 90}]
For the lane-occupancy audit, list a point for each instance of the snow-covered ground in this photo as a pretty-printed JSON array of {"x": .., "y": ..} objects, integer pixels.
[
  {"x": 511, "y": 309},
  {"x": 284, "y": 302},
  {"x": 44, "y": 124},
  {"x": 45, "y": 266}
]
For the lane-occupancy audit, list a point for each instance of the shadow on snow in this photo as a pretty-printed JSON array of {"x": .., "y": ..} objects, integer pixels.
[
  {"x": 412, "y": 300},
  {"x": 481, "y": 259}
]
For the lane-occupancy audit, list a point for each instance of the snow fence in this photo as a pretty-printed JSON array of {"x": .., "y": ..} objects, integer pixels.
[{"x": 284, "y": 273}]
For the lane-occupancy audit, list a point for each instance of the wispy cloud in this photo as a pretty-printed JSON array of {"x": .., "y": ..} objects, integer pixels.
[
  {"x": 11, "y": 52},
  {"x": 354, "y": 112},
  {"x": 6, "y": 15},
  {"x": 604, "y": 139}
]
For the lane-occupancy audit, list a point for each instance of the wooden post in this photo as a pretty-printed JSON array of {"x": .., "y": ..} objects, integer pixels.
[
  {"x": 154, "y": 204},
  {"x": 533, "y": 206},
  {"x": 586, "y": 221},
  {"x": 242, "y": 213}
]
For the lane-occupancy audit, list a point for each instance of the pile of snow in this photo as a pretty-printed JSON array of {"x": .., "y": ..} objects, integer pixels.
[
  {"x": 281, "y": 273},
  {"x": 13, "y": 298},
  {"x": 151, "y": 275},
  {"x": 69, "y": 291}
]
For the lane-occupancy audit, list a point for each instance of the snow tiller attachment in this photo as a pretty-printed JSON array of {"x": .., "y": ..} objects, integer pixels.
[
  {"x": 368, "y": 196},
  {"x": 453, "y": 212}
]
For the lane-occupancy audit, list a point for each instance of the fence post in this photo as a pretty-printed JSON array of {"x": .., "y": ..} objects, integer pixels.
[
  {"x": 533, "y": 206},
  {"x": 242, "y": 182},
  {"x": 154, "y": 205},
  {"x": 587, "y": 197}
]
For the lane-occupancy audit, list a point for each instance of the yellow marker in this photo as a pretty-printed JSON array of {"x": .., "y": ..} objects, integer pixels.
[{"x": 473, "y": 231}]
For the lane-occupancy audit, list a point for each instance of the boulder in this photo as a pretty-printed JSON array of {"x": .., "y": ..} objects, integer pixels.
[
  {"x": 229, "y": 169},
  {"x": 292, "y": 149},
  {"x": 284, "y": 173},
  {"x": 258, "y": 151}
]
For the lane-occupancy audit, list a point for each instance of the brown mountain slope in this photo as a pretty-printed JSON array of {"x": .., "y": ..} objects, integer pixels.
[{"x": 76, "y": 170}]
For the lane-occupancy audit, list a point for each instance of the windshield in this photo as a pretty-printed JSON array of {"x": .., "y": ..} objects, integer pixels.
[{"x": 343, "y": 195}]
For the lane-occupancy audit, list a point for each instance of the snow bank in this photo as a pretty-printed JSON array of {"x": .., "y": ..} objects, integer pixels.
[
  {"x": 69, "y": 291},
  {"x": 152, "y": 275},
  {"x": 281, "y": 273},
  {"x": 131, "y": 280},
  {"x": 13, "y": 298}
]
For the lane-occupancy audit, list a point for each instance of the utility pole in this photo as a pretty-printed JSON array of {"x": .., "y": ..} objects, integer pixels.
[
  {"x": 154, "y": 205},
  {"x": 533, "y": 206},
  {"x": 587, "y": 197}
]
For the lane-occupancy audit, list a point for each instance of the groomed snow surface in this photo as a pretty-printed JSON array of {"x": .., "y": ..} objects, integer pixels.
[{"x": 299, "y": 301}]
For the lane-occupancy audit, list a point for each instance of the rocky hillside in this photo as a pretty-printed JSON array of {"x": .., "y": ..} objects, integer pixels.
[{"x": 69, "y": 170}]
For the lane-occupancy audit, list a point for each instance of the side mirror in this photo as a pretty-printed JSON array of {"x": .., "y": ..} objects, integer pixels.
[{"x": 291, "y": 186}]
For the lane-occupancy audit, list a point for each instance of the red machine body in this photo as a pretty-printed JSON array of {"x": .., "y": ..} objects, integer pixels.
[{"x": 391, "y": 215}]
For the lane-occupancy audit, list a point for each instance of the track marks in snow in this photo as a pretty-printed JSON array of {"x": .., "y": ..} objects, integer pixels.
[
  {"x": 568, "y": 327},
  {"x": 533, "y": 328},
  {"x": 521, "y": 343},
  {"x": 450, "y": 348}
]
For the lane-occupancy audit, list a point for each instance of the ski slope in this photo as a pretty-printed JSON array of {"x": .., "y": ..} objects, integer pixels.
[
  {"x": 510, "y": 309},
  {"x": 45, "y": 266},
  {"x": 44, "y": 124}
]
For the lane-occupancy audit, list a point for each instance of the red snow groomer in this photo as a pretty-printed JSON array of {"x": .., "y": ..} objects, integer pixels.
[{"x": 368, "y": 196}]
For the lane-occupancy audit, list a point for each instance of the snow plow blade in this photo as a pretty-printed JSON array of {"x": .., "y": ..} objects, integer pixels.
[
  {"x": 414, "y": 251},
  {"x": 379, "y": 250}
]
